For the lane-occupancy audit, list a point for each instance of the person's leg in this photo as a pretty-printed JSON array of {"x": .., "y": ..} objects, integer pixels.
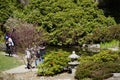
[
  {"x": 41, "y": 59},
  {"x": 13, "y": 50},
  {"x": 28, "y": 63},
  {"x": 9, "y": 51},
  {"x": 36, "y": 62},
  {"x": 7, "y": 48}
]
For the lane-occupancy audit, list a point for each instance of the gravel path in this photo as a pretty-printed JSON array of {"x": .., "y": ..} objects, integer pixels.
[
  {"x": 21, "y": 73},
  {"x": 116, "y": 76},
  {"x": 20, "y": 69}
]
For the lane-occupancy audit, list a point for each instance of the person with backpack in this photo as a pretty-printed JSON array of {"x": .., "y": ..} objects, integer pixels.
[
  {"x": 6, "y": 42},
  {"x": 9, "y": 44}
]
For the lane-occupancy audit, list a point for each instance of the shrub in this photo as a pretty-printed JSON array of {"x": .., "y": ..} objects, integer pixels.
[
  {"x": 54, "y": 62},
  {"x": 105, "y": 34},
  {"x": 103, "y": 56},
  {"x": 98, "y": 66},
  {"x": 96, "y": 70}
]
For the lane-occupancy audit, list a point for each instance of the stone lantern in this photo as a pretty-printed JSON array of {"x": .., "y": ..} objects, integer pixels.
[{"x": 74, "y": 61}]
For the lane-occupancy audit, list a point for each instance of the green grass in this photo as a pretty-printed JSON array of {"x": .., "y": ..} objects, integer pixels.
[
  {"x": 7, "y": 62},
  {"x": 112, "y": 44}
]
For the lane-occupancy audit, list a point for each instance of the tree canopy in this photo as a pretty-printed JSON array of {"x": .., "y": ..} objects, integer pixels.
[{"x": 68, "y": 22}]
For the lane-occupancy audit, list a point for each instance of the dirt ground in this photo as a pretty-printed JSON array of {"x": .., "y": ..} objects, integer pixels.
[{"x": 32, "y": 75}]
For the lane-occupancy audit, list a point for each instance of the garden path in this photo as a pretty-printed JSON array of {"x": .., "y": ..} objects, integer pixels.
[{"x": 31, "y": 74}]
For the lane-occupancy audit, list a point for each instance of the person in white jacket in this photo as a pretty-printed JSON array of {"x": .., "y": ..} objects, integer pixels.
[
  {"x": 10, "y": 41},
  {"x": 10, "y": 46}
]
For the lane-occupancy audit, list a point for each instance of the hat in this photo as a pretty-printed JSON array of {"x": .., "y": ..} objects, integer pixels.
[{"x": 6, "y": 37}]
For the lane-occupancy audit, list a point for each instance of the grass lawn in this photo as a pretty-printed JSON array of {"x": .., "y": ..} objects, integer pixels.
[{"x": 7, "y": 62}]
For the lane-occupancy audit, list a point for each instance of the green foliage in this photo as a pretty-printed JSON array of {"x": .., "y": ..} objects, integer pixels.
[
  {"x": 113, "y": 32},
  {"x": 54, "y": 63},
  {"x": 1, "y": 37},
  {"x": 6, "y": 9},
  {"x": 111, "y": 44},
  {"x": 96, "y": 71},
  {"x": 98, "y": 66},
  {"x": 103, "y": 56},
  {"x": 106, "y": 34},
  {"x": 67, "y": 21}
]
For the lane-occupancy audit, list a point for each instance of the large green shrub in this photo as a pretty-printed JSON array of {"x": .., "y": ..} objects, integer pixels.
[
  {"x": 96, "y": 70},
  {"x": 105, "y": 34},
  {"x": 98, "y": 66},
  {"x": 54, "y": 62},
  {"x": 103, "y": 56},
  {"x": 67, "y": 21}
]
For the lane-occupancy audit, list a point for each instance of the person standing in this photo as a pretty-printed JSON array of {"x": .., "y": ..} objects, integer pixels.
[
  {"x": 37, "y": 60},
  {"x": 42, "y": 52},
  {"x": 28, "y": 57},
  {"x": 6, "y": 42},
  {"x": 11, "y": 45},
  {"x": 14, "y": 38}
]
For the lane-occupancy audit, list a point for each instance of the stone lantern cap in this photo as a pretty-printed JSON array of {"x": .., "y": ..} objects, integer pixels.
[{"x": 73, "y": 55}]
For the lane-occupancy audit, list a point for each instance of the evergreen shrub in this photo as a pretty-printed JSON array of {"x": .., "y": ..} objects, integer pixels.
[
  {"x": 98, "y": 66},
  {"x": 106, "y": 34},
  {"x": 54, "y": 62}
]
